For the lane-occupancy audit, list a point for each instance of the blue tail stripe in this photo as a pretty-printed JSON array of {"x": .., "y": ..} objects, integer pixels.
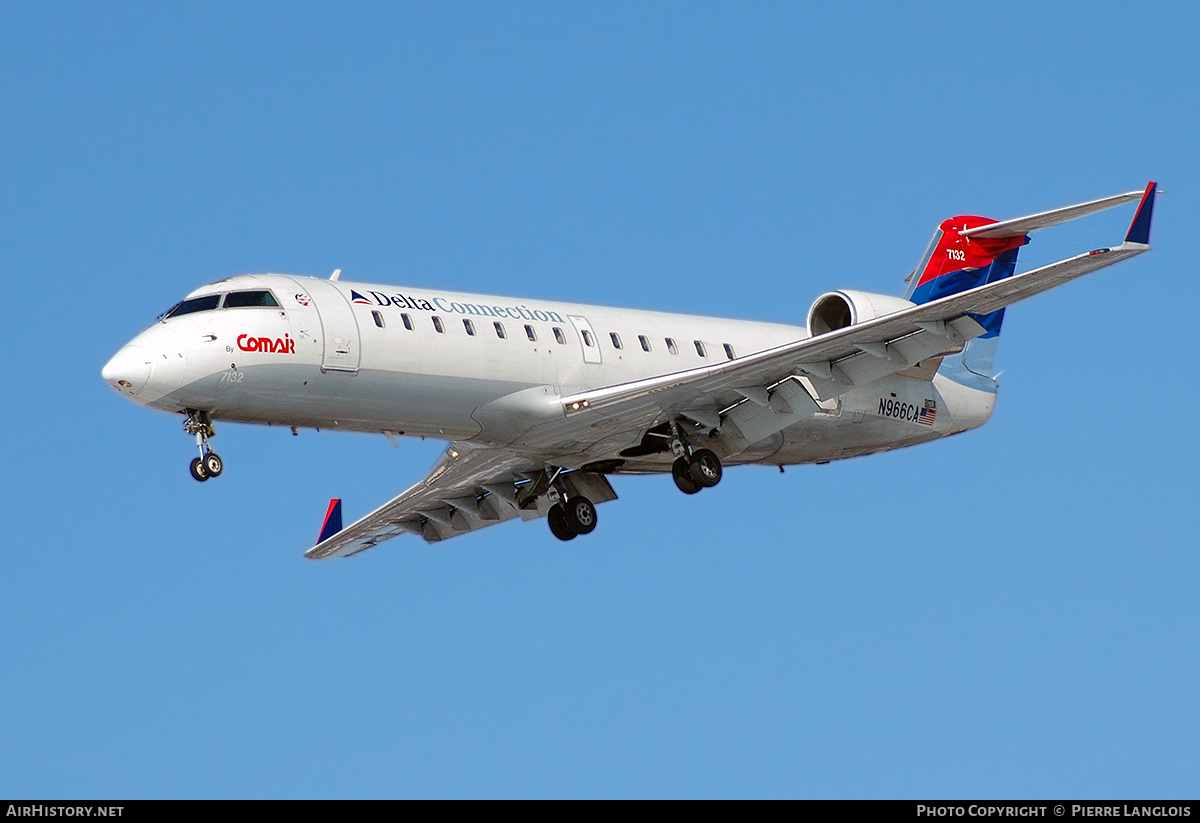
[{"x": 965, "y": 279}]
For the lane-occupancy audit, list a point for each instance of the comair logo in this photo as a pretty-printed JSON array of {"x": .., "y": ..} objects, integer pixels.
[{"x": 276, "y": 345}]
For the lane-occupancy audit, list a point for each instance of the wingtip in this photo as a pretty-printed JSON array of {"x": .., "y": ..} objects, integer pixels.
[
  {"x": 333, "y": 521},
  {"x": 1139, "y": 229}
]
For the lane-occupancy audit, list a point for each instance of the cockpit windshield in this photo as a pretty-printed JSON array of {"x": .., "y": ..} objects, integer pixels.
[
  {"x": 205, "y": 303},
  {"x": 233, "y": 300},
  {"x": 242, "y": 299}
]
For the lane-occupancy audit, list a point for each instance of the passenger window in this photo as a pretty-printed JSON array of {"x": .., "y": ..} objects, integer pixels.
[
  {"x": 243, "y": 299},
  {"x": 469, "y": 326},
  {"x": 587, "y": 339},
  {"x": 559, "y": 336},
  {"x": 645, "y": 341},
  {"x": 378, "y": 319},
  {"x": 531, "y": 334},
  {"x": 729, "y": 351},
  {"x": 671, "y": 347},
  {"x": 437, "y": 324},
  {"x": 615, "y": 338},
  {"x": 700, "y": 348},
  {"x": 206, "y": 303},
  {"x": 500, "y": 330},
  {"x": 407, "y": 321}
]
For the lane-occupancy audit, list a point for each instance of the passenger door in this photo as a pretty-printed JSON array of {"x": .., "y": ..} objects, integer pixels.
[
  {"x": 339, "y": 328},
  {"x": 587, "y": 338}
]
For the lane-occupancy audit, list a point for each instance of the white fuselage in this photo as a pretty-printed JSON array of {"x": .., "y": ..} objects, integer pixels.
[{"x": 359, "y": 357}]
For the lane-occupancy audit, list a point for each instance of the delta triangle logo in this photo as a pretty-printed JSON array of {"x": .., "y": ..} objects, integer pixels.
[{"x": 355, "y": 297}]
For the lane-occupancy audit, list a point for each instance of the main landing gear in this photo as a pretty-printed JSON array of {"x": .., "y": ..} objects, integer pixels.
[
  {"x": 569, "y": 517},
  {"x": 575, "y": 517},
  {"x": 208, "y": 464},
  {"x": 693, "y": 469}
]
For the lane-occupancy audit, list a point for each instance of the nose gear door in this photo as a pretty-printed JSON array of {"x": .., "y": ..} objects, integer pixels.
[{"x": 339, "y": 328}]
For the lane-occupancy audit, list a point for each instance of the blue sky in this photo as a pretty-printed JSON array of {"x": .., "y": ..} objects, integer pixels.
[{"x": 1009, "y": 613}]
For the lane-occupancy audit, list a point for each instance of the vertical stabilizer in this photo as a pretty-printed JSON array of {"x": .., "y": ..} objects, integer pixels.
[{"x": 956, "y": 262}]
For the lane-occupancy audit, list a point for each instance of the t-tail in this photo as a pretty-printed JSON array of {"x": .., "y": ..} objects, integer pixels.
[{"x": 968, "y": 251}]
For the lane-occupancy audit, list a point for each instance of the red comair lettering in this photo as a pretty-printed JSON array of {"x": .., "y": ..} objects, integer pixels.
[{"x": 277, "y": 345}]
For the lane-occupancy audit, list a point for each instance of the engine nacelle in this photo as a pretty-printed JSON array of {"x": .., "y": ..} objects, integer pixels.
[{"x": 837, "y": 309}]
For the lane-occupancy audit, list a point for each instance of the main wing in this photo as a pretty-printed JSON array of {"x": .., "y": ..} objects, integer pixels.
[{"x": 469, "y": 488}]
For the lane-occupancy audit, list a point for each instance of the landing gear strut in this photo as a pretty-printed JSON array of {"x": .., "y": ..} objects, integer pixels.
[
  {"x": 693, "y": 469},
  {"x": 208, "y": 464}
]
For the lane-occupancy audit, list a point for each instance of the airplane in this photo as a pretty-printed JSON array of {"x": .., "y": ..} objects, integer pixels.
[{"x": 543, "y": 401}]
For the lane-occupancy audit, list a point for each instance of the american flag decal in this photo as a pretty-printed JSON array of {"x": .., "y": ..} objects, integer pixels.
[{"x": 927, "y": 416}]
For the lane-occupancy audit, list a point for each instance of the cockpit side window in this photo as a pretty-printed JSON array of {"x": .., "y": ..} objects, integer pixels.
[
  {"x": 205, "y": 303},
  {"x": 242, "y": 299}
]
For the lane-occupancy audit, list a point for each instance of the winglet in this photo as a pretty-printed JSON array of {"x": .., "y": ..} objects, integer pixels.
[
  {"x": 333, "y": 520},
  {"x": 1139, "y": 229}
]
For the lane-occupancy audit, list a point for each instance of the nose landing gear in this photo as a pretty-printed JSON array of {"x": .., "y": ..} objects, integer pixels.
[{"x": 208, "y": 464}]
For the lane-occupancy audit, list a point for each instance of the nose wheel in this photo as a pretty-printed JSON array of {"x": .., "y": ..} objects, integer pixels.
[
  {"x": 208, "y": 464},
  {"x": 198, "y": 470}
]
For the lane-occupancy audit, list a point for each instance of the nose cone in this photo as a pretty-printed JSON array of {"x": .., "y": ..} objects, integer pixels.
[{"x": 128, "y": 371}]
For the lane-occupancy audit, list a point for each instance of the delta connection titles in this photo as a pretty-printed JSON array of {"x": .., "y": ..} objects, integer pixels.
[
  {"x": 1075, "y": 810},
  {"x": 521, "y": 312}
]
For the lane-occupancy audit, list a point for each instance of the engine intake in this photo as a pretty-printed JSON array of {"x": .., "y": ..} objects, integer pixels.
[{"x": 838, "y": 309}]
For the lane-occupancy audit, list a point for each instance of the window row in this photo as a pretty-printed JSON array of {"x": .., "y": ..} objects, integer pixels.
[
  {"x": 468, "y": 326},
  {"x": 644, "y": 342},
  {"x": 559, "y": 336}
]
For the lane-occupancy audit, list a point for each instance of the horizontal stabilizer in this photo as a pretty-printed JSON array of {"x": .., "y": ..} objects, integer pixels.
[{"x": 1044, "y": 220}]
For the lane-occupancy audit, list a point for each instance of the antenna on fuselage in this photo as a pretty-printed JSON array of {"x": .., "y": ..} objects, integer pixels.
[{"x": 336, "y": 274}]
